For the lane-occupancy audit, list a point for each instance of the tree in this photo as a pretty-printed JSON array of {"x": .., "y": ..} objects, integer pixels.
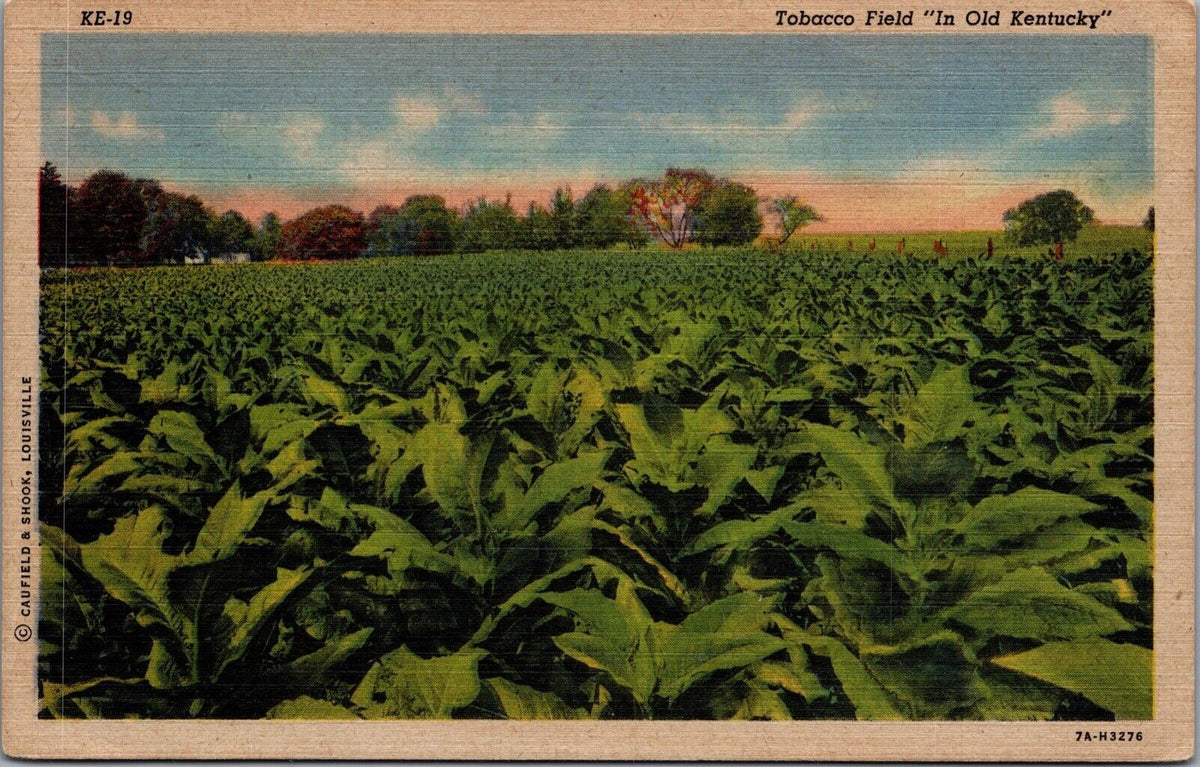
[
  {"x": 1148, "y": 221},
  {"x": 668, "y": 207},
  {"x": 602, "y": 218},
  {"x": 435, "y": 225},
  {"x": 422, "y": 226},
  {"x": 177, "y": 226},
  {"x": 53, "y": 202},
  {"x": 793, "y": 216},
  {"x": 538, "y": 229},
  {"x": 329, "y": 232},
  {"x": 231, "y": 232},
  {"x": 728, "y": 215},
  {"x": 488, "y": 225},
  {"x": 111, "y": 212},
  {"x": 266, "y": 239},
  {"x": 563, "y": 220},
  {"x": 1048, "y": 219},
  {"x": 373, "y": 229}
]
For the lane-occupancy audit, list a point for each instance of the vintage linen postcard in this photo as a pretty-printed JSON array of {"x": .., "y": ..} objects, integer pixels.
[{"x": 609, "y": 380}]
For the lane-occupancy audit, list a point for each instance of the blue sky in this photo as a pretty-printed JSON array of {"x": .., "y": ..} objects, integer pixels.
[{"x": 926, "y": 130}]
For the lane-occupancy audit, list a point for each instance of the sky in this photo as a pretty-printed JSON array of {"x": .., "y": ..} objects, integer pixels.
[{"x": 879, "y": 133}]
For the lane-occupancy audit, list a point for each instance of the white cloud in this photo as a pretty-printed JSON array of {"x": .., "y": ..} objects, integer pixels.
[
  {"x": 124, "y": 127},
  {"x": 547, "y": 125},
  {"x": 738, "y": 127},
  {"x": 421, "y": 112},
  {"x": 1069, "y": 114},
  {"x": 302, "y": 133},
  {"x": 800, "y": 116},
  {"x": 803, "y": 113},
  {"x": 417, "y": 113}
]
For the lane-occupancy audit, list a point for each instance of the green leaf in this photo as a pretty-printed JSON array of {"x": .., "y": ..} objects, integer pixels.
[
  {"x": 936, "y": 675},
  {"x": 858, "y": 463},
  {"x": 327, "y": 393},
  {"x": 740, "y": 534},
  {"x": 552, "y": 486},
  {"x": 1031, "y": 604},
  {"x": 629, "y": 665},
  {"x": 403, "y": 685},
  {"x": 277, "y": 425},
  {"x": 163, "y": 485},
  {"x": 445, "y": 455},
  {"x": 183, "y": 435},
  {"x": 726, "y": 634},
  {"x": 628, "y": 504},
  {"x": 1002, "y": 518},
  {"x": 228, "y": 524},
  {"x": 722, "y": 466},
  {"x": 115, "y": 465},
  {"x": 615, "y": 636},
  {"x": 311, "y": 668},
  {"x": 248, "y": 618},
  {"x": 166, "y": 387},
  {"x": 664, "y": 418},
  {"x": 871, "y": 701},
  {"x": 305, "y": 707},
  {"x": 520, "y": 702},
  {"x": 847, "y": 544},
  {"x": 131, "y": 565},
  {"x": 1117, "y": 677},
  {"x": 941, "y": 405}
]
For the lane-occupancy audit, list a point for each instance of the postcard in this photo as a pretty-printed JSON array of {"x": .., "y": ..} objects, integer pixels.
[{"x": 599, "y": 380}]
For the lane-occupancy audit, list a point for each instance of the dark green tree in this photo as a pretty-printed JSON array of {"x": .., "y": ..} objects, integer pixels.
[
  {"x": 177, "y": 227},
  {"x": 603, "y": 219},
  {"x": 110, "y": 211},
  {"x": 728, "y": 215},
  {"x": 1048, "y": 219},
  {"x": 374, "y": 229},
  {"x": 563, "y": 220},
  {"x": 488, "y": 225},
  {"x": 53, "y": 204},
  {"x": 231, "y": 232},
  {"x": 538, "y": 231},
  {"x": 1148, "y": 221},
  {"x": 422, "y": 226},
  {"x": 266, "y": 238}
]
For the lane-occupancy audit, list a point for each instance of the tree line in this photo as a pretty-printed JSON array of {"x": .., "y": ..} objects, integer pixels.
[{"x": 111, "y": 219}]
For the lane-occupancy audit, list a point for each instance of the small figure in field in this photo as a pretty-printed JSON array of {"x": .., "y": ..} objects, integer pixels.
[
  {"x": 940, "y": 249},
  {"x": 989, "y": 247},
  {"x": 849, "y": 244},
  {"x": 1058, "y": 251},
  {"x": 871, "y": 246},
  {"x": 900, "y": 248}
]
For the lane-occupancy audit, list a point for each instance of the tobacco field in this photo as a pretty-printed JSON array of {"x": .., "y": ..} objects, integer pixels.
[{"x": 716, "y": 484}]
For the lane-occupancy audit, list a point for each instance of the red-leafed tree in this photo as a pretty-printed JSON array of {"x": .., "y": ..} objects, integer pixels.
[
  {"x": 331, "y": 232},
  {"x": 667, "y": 208}
]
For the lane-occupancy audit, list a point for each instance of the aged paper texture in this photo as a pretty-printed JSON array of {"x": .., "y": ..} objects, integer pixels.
[{"x": 599, "y": 380}]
